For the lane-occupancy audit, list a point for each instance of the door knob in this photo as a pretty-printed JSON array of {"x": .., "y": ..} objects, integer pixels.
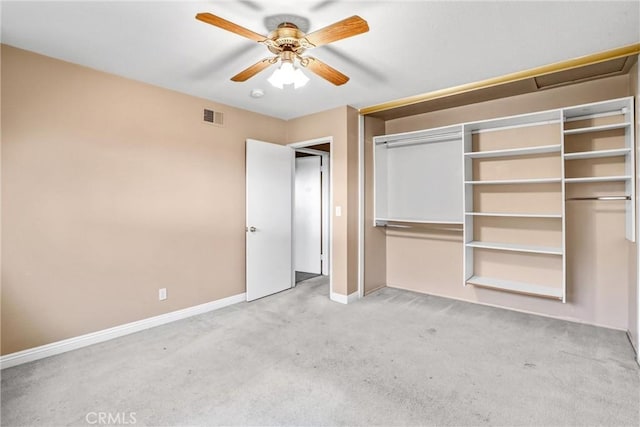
[{"x": 252, "y": 229}]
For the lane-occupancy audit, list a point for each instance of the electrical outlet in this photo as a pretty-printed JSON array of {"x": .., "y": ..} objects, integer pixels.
[{"x": 162, "y": 294}]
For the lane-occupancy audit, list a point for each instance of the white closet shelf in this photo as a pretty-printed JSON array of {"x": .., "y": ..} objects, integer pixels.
[
  {"x": 542, "y": 149},
  {"x": 521, "y": 287},
  {"x": 597, "y": 179},
  {"x": 423, "y": 140},
  {"x": 514, "y": 215},
  {"x": 596, "y": 154},
  {"x": 512, "y": 247},
  {"x": 513, "y": 122},
  {"x": 596, "y": 128},
  {"x": 517, "y": 181},
  {"x": 419, "y": 221}
]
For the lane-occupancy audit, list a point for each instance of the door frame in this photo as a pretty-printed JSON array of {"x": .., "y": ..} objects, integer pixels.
[
  {"x": 327, "y": 208},
  {"x": 326, "y": 200}
]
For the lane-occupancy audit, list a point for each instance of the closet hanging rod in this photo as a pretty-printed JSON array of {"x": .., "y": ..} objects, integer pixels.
[
  {"x": 434, "y": 228},
  {"x": 423, "y": 139},
  {"x": 601, "y": 198}
]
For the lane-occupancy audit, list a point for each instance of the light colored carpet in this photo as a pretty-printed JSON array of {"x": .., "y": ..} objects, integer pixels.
[{"x": 297, "y": 358}]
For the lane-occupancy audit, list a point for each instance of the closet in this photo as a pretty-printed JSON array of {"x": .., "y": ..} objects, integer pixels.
[
  {"x": 507, "y": 181},
  {"x": 525, "y": 202}
]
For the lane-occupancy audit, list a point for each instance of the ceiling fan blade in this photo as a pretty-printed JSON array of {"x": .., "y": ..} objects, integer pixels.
[
  {"x": 323, "y": 70},
  {"x": 229, "y": 26},
  {"x": 340, "y": 30},
  {"x": 251, "y": 4},
  {"x": 251, "y": 71}
]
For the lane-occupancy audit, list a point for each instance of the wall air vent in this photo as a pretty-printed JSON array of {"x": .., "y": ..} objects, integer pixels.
[{"x": 213, "y": 117}]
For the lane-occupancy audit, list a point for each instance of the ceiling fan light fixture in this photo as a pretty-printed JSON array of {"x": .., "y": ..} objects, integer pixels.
[
  {"x": 287, "y": 74},
  {"x": 299, "y": 78}
]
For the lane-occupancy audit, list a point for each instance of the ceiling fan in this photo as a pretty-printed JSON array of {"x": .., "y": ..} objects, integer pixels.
[{"x": 287, "y": 42}]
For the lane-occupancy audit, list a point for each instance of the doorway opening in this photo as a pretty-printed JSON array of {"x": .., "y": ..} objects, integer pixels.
[{"x": 311, "y": 212}]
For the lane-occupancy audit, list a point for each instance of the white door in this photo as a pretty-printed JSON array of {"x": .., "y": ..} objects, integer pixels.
[
  {"x": 308, "y": 215},
  {"x": 269, "y": 218}
]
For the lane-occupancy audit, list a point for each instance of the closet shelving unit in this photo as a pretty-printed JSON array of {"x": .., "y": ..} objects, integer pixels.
[
  {"x": 511, "y": 189},
  {"x": 599, "y": 148},
  {"x": 513, "y": 143},
  {"x": 417, "y": 178}
]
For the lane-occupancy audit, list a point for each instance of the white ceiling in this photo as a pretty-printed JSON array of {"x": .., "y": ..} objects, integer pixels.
[{"x": 412, "y": 46}]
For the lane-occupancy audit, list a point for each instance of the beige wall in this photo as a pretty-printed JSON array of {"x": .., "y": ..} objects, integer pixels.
[
  {"x": 375, "y": 241},
  {"x": 430, "y": 261},
  {"x": 112, "y": 189},
  {"x": 341, "y": 124}
]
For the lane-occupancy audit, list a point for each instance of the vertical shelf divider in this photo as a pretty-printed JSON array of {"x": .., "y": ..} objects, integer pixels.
[
  {"x": 630, "y": 185},
  {"x": 467, "y": 170},
  {"x": 563, "y": 202}
]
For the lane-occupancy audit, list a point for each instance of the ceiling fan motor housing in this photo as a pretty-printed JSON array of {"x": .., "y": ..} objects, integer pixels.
[{"x": 286, "y": 38}]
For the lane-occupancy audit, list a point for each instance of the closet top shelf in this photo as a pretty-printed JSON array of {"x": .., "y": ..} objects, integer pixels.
[
  {"x": 514, "y": 151},
  {"x": 522, "y": 120},
  {"x": 600, "y": 128},
  {"x": 445, "y": 133},
  {"x": 595, "y": 109},
  {"x": 517, "y": 181}
]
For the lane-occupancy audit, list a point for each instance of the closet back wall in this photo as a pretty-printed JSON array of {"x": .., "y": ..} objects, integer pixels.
[
  {"x": 112, "y": 189},
  {"x": 601, "y": 266}
]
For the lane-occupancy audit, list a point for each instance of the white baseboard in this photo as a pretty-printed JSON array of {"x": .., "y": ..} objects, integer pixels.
[
  {"x": 31, "y": 354},
  {"x": 633, "y": 346},
  {"x": 344, "y": 299},
  {"x": 506, "y": 307}
]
